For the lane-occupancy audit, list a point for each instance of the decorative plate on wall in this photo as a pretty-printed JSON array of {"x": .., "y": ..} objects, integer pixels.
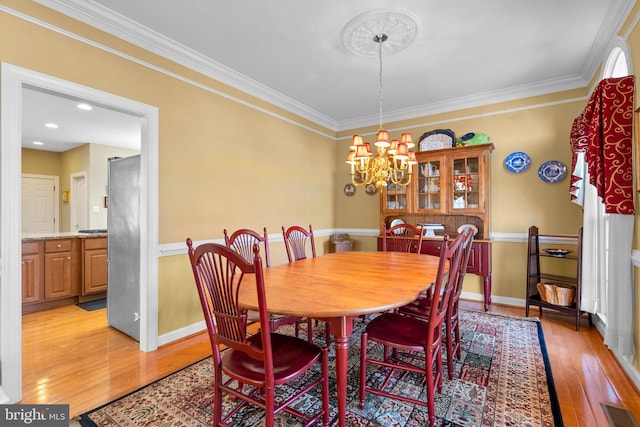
[
  {"x": 370, "y": 189},
  {"x": 349, "y": 189},
  {"x": 552, "y": 171},
  {"x": 517, "y": 162}
]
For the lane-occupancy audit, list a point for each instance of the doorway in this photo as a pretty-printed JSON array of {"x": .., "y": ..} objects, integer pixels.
[
  {"x": 78, "y": 202},
  {"x": 39, "y": 204},
  {"x": 14, "y": 79}
]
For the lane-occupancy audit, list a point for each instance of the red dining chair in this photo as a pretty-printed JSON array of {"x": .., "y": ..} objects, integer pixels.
[
  {"x": 265, "y": 360},
  {"x": 416, "y": 344},
  {"x": 242, "y": 241},
  {"x": 401, "y": 238},
  {"x": 420, "y": 307},
  {"x": 296, "y": 241}
]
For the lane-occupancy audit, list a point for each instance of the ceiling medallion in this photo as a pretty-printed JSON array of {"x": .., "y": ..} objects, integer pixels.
[{"x": 400, "y": 27}]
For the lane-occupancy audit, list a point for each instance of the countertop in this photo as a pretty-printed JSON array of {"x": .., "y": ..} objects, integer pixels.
[{"x": 62, "y": 235}]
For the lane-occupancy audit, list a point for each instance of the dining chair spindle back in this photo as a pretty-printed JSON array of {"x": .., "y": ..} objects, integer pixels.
[
  {"x": 296, "y": 241},
  {"x": 401, "y": 238},
  {"x": 416, "y": 344},
  {"x": 261, "y": 361},
  {"x": 420, "y": 308},
  {"x": 242, "y": 241}
]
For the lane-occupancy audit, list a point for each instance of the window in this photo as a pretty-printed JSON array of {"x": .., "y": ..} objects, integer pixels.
[{"x": 617, "y": 64}]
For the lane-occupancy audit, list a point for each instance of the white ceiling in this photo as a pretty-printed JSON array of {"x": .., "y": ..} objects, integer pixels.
[
  {"x": 289, "y": 52},
  {"x": 75, "y": 126}
]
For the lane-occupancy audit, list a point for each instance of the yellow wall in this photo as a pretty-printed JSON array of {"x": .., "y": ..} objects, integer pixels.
[
  {"x": 223, "y": 164},
  {"x": 38, "y": 162}
]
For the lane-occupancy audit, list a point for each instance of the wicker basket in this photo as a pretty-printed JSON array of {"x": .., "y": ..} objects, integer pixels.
[{"x": 556, "y": 294}]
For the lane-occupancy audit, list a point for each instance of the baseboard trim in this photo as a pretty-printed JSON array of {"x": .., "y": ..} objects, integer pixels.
[{"x": 182, "y": 333}]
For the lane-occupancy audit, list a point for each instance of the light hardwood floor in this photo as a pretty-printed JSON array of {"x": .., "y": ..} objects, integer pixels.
[{"x": 71, "y": 356}]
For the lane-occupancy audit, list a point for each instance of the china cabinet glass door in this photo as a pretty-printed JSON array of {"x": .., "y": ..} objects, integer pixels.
[
  {"x": 429, "y": 185},
  {"x": 395, "y": 197},
  {"x": 465, "y": 185}
]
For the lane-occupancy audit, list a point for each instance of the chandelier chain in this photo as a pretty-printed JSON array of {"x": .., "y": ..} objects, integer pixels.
[{"x": 380, "y": 39}]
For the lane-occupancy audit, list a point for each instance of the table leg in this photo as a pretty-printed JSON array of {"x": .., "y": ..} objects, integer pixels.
[
  {"x": 487, "y": 291},
  {"x": 341, "y": 328}
]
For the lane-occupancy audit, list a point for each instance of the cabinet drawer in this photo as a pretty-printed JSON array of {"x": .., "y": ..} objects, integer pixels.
[
  {"x": 57, "y": 246},
  {"x": 99, "y": 243},
  {"x": 30, "y": 248}
]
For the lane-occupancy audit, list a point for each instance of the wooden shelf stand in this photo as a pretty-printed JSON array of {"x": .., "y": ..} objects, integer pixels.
[{"x": 536, "y": 275}]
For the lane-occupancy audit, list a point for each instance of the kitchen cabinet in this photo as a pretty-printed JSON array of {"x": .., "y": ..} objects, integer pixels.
[
  {"x": 449, "y": 186},
  {"x": 539, "y": 272},
  {"x": 62, "y": 271},
  {"x": 31, "y": 272},
  {"x": 59, "y": 266},
  {"x": 94, "y": 255}
]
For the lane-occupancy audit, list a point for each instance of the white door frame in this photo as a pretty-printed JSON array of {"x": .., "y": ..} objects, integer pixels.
[
  {"x": 73, "y": 218},
  {"x": 14, "y": 78}
]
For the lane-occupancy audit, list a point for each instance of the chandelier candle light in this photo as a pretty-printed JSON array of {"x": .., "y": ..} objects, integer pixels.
[{"x": 393, "y": 161}]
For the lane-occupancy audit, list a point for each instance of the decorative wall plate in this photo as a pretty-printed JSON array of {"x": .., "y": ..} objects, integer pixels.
[
  {"x": 552, "y": 171},
  {"x": 517, "y": 162},
  {"x": 349, "y": 190},
  {"x": 370, "y": 189}
]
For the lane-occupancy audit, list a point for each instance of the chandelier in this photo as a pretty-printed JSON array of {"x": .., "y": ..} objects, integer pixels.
[{"x": 393, "y": 161}]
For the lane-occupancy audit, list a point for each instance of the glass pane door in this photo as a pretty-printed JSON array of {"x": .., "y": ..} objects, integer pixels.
[
  {"x": 396, "y": 197},
  {"x": 429, "y": 185},
  {"x": 465, "y": 183}
]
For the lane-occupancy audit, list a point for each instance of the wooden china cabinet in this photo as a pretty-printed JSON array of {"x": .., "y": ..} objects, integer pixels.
[{"x": 450, "y": 186}]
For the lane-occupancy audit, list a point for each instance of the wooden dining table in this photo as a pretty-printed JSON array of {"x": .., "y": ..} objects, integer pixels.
[{"x": 340, "y": 287}]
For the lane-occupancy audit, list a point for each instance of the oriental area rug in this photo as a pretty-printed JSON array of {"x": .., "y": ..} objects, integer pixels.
[{"x": 503, "y": 378}]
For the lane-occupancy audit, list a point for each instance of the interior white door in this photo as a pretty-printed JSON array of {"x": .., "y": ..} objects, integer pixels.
[{"x": 39, "y": 196}]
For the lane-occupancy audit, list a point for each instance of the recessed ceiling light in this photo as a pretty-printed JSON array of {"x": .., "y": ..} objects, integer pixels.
[
  {"x": 38, "y": 143},
  {"x": 84, "y": 106},
  {"x": 51, "y": 125}
]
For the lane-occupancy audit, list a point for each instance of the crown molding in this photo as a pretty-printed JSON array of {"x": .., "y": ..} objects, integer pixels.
[
  {"x": 509, "y": 94},
  {"x": 98, "y": 16}
]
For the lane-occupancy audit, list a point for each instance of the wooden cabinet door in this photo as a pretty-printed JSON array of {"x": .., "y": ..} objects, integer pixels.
[
  {"x": 57, "y": 275},
  {"x": 31, "y": 278},
  {"x": 95, "y": 271}
]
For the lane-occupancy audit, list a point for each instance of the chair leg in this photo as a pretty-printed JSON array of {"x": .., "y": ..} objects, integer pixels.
[
  {"x": 325, "y": 386},
  {"x": 270, "y": 406},
  {"x": 449, "y": 338},
  {"x": 363, "y": 367},
  {"x": 309, "y": 329},
  {"x": 431, "y": 404},
  {"x": 458, "y": 346},
  {"x": 327, "y": 334},
  {"x": 217, "y": 398}
]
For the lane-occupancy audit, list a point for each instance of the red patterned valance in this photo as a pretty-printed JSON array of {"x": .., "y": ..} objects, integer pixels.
[{"x": 604, "y": 133}]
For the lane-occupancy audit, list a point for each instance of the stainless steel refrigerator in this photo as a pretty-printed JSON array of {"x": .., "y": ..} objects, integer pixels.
[{"x": 123, "y": 225}]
